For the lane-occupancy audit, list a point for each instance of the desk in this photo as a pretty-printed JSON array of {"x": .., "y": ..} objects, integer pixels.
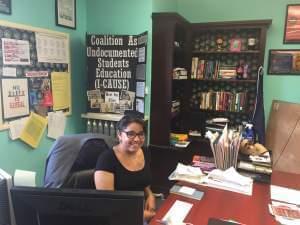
[{"x": 249, "y": 210}]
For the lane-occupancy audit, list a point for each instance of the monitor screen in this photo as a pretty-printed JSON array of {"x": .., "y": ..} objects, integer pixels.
[
  {"x": 46, "y": 206},
  {"x": 6, "y": 210}
]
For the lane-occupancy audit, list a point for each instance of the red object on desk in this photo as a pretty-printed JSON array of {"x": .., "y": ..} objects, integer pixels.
[
  {"x": 216, "y": 203},
  {"x": 284, "y": 179}
]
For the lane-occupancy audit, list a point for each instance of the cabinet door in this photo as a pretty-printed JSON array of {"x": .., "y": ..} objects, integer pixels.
[{"x": 168, "y": 52}]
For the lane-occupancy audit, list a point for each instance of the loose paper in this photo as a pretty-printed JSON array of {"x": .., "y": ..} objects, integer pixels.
[
  {"x": 33, "y": 130},
  {"x": 56, "y": 124},
  {"x": 187, "y": 190},
  {"x": 16, "y": 127},
  {"x": 177, "y": 212}
]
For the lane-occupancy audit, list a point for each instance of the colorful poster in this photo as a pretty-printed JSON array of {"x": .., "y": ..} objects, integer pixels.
[{"x": 15, "y": 98}]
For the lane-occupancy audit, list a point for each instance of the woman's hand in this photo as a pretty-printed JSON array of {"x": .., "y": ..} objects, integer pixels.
[
  {"x": 149, "y": 211},
  {"x": 148, "y": 215},
  {"x": 150, "y": 203}
]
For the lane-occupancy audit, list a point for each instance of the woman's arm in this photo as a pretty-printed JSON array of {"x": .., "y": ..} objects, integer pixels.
[
  {"x": 104, "y": 180},
  {"x": 149, "y": 204}
]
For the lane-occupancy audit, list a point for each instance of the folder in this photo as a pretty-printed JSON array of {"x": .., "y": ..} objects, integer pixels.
[{"x": 282, "y": 136}]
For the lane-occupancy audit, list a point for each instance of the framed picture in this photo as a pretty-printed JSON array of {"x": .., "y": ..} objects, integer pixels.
[
  {"x": 235, "y": 45},
  {"x": 5, "y": 6},
  {"x": 15, "y": 100},
  {"x": 292, "y": 25},
  {"x": 66, "y": 13},
  {"x": 284, "y": 62}
]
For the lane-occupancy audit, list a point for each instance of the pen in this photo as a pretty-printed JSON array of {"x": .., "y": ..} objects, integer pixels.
[{"x": 235, "y": 222}]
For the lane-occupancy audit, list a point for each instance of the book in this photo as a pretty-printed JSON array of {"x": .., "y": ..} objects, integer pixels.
[
  {"x": 187, "y": 192},
  {"x": 254, "y": 168}
]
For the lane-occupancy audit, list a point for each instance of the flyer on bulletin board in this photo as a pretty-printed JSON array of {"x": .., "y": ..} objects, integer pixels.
[
  {"x": 61, "y": 90},
  {"x": 33, "y": 130}
]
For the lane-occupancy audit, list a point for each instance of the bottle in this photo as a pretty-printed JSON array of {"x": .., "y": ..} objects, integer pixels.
[
  {"x": 245, "y": 72},
  {"x": 240, "y": 70},
  {"x": 106, "y": 128},
  {"x": 249, "y": 133},
  {"x": 88, "y": 126},
  {"x": 100, "y": 127},
  {"x": 112, "y": 129},
  {"x": 95, "y": 127}
]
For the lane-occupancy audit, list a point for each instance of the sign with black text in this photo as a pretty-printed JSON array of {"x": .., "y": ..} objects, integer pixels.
[{"x": 111, "y": 64}]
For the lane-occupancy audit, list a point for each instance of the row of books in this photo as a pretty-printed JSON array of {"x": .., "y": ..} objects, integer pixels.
[
  {"x": 257, "y": 169},
  {"x": 223, "y": 101},
  {"x": 211, "y": 69}
]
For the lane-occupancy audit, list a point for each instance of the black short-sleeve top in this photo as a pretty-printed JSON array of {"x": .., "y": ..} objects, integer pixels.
[{"x": 125, "y": 179}]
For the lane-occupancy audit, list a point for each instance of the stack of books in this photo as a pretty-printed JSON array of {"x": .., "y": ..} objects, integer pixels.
[
  {"x": 216, "y": 124},
  {"x": 206, "y": 164},
  {"x": 258, "y": 168},
  {"x": 179, "y": 140}
]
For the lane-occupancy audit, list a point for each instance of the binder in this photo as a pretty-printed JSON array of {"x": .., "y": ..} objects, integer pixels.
[{"x": 187, "y": 192}]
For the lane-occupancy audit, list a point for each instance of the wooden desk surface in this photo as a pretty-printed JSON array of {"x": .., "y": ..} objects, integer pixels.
[{"x": 249, "y": 210}]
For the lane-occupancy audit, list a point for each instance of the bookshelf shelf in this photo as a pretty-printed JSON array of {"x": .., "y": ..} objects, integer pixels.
[
  {"x": 226, "y": 80},
  {"x": 200, "y": 40},
  {"x": 227, "y": 52}
]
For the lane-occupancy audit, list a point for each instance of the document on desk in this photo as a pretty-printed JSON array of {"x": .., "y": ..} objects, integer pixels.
[
  {"x": 229, "y": 180},
  {"x": 284, "y": 194},
  {"x": 177, "y": 212}
]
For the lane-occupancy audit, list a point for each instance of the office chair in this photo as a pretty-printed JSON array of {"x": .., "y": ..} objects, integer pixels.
[{"x": 72, "y": 159}]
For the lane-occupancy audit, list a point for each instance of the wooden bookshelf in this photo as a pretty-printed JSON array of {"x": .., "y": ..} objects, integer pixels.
[{"x": 198, "y": 40}]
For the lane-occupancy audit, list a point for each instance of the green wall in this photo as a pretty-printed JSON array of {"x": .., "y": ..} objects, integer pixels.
[
  {"x": 123, "y": 17},
  {"x": 275, "y": 87},
  {"x": 41, "y": 13}
]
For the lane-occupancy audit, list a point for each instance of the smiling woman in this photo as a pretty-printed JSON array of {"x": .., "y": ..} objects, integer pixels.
[{"x": 127, "y": 165}]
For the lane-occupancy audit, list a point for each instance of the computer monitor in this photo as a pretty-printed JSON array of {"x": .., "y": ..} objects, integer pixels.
[
  {"x": 47, "y": 206},
  {"x": 6, "y": 209}
]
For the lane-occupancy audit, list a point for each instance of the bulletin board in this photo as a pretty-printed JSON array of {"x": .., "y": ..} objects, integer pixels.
[{"x": 35, "y": 72}]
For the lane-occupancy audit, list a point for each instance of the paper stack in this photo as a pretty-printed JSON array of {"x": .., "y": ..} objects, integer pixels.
[
  {"x": 225, "y": 148},
  {"x": 229, "y": 180}
]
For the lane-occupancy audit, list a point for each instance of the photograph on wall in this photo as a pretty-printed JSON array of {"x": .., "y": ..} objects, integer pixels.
[
  {"x": 66, "y": 13},
  {"x": 284, "y": 62},
  {"x": 292, "y": 25},
  {"x": 5, "y": 6},
  {"x": 14, "y": 98}
]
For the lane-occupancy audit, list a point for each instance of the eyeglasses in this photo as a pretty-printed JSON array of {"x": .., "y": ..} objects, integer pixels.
[{"x": 131, "y": 134}]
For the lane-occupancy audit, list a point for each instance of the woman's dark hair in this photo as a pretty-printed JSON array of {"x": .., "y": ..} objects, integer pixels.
[{"x": 123, "y": 123}]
